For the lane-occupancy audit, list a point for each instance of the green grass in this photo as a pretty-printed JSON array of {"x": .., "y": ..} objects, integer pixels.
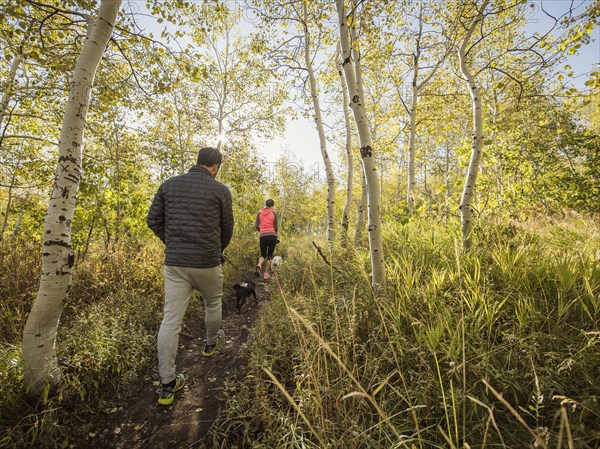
[
  {"x": 106, "y": 338},
  {"x": 19, "y": 278},
  {"x": 495, "y": 348}
]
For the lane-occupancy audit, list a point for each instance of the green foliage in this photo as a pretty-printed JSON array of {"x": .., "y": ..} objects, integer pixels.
[
  {"x": 299, "y": 200},
  {"x": 10, "y": 378},
  {"x": 115, "y": 192},
  {"x": 106, "y": 338},
  {"x": 23, "y": 424},
  {"x": 460, "y": 345},
  {"x": 580, "y": 28},
  {"x": 135, "y": 268},
  {"x": 19, "y": 279},
  {"x": 519, "y": 313},
  {"x": 107, "y": 345}
]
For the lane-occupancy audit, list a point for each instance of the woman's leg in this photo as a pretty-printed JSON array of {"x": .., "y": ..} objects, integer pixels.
[
  {"x": 263, "y": 254},
  {"x": 271, "y": 241},
  {"x": 267, "y": 274}
]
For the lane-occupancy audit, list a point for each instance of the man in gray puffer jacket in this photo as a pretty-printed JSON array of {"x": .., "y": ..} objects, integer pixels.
[{"x": 192, "y": 214}]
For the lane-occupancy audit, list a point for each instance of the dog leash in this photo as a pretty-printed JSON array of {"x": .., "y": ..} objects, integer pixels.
[{"x": 227, "y": 260}]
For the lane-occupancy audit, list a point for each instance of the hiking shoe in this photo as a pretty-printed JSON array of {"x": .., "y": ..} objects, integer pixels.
[
  {"x": 211, "y": 349},
  {"x": 167, "y": 393},
  {"x": 257, "y": 271}
]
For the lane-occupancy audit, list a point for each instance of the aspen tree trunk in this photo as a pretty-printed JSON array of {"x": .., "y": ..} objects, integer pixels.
[
  {"x": 349, "y": 162},
  {"x": 39, "y": 335},
  {"x": 411, "y": 195},
  {"x": 220, "y": 131},
  {"x": 495, "y": 113},
  {"x": 466, "y": 202},
  {"x": 412, "y": 137},
  {"x": 412, "y": 127},
  {"x": 448, "y": 184},
  {"x": 321, "y": 130},
  {"x": 366, "y": 152},
  {"x": 427, "y": 190},
  {"x": 118, "y": 175},
  {"x": 8, "y": 204},
  {"x": 9, "y": 86},
  {"x": 17, "y": 226},
  {"x": 180, "y": 145},
  {"x": 282, "y": 214},
  {"x": 223, "y": 99},
  {"x": 362, "y": 207},
  {"x": 398, "y": 191}
]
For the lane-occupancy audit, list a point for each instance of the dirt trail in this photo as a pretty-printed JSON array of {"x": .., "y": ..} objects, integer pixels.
[{"x": 136, "y": 422}]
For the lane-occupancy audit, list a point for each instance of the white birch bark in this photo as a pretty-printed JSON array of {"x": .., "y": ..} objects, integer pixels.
[
  {"x": 356, "y": 94},
  {"x": 118, "y": 183},
  {"x": 224, "y": 92},
  {"x": 39, "y": 335},
  {"x": 494, "y": 109},
  {"x": 362, "y": 207},
  {"x": 8, "y": 204},
  {"x": 321, "y": 130},
  {"x": 412, "y": 137},
  {"x": 180, "y": 144},
  {"x": 349, "y": 162},
  {"x": 466, "y": 202},
  {"x": 447, "y": 181},
  {"x": 9, "y": 86},
  {"x": 417, "y": 87},
  {"x": 17, "y": 226}
]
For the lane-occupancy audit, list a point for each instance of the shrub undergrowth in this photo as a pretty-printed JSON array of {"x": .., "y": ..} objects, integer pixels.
[
  {"x": 106, "y": 338},
  {"x": 498, "y": 347}
]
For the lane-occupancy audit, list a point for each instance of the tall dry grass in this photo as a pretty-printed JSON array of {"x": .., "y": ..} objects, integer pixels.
[
  {"x": 496, "y": 348},
  {"x": 106, "y": 339},
  {"x": 106, "y": 336}
]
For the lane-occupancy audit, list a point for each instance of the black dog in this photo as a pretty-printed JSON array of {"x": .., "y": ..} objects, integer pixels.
[{"x": 243, "y": 291}]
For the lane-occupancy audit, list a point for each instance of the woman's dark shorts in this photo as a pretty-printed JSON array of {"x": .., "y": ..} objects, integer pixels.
[{"x": 267, "y": 246}]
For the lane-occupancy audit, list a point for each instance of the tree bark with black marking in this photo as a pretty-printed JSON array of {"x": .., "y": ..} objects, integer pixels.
[
  {"x": 40, "y": 367},
  {"x": 314, "y": 94},
  {"x": 466, "y": 202},
  {"x": 354, "y": 80}
]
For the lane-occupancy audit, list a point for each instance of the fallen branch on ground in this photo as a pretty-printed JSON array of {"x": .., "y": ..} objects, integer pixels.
[{"x": 325, "y": 259}]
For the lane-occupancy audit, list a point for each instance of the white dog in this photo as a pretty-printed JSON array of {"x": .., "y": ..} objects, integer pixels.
[{"x": 276, "y": 262}]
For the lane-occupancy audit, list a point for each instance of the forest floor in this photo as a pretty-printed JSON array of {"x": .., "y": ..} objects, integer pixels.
[{"x": 135, "y": 421}]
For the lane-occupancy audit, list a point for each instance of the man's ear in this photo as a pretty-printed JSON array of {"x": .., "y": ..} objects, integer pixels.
[{"x": 214, "y": 169}]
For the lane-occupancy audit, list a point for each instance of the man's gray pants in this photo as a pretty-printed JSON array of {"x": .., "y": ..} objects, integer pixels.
[{"x": 180, "y": 282}]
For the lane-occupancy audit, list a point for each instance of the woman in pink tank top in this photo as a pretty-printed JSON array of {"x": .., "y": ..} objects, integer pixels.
[{"x": 266, "y": 225}]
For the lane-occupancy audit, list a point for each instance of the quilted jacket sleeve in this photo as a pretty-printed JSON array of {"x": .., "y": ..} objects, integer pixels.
[
  {"x": 156, "y": 215},
  {"x": 227, "y": 220}
]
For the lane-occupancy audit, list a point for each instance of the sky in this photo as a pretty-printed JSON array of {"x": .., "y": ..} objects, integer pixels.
[{"x": 300, "y": 140}]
